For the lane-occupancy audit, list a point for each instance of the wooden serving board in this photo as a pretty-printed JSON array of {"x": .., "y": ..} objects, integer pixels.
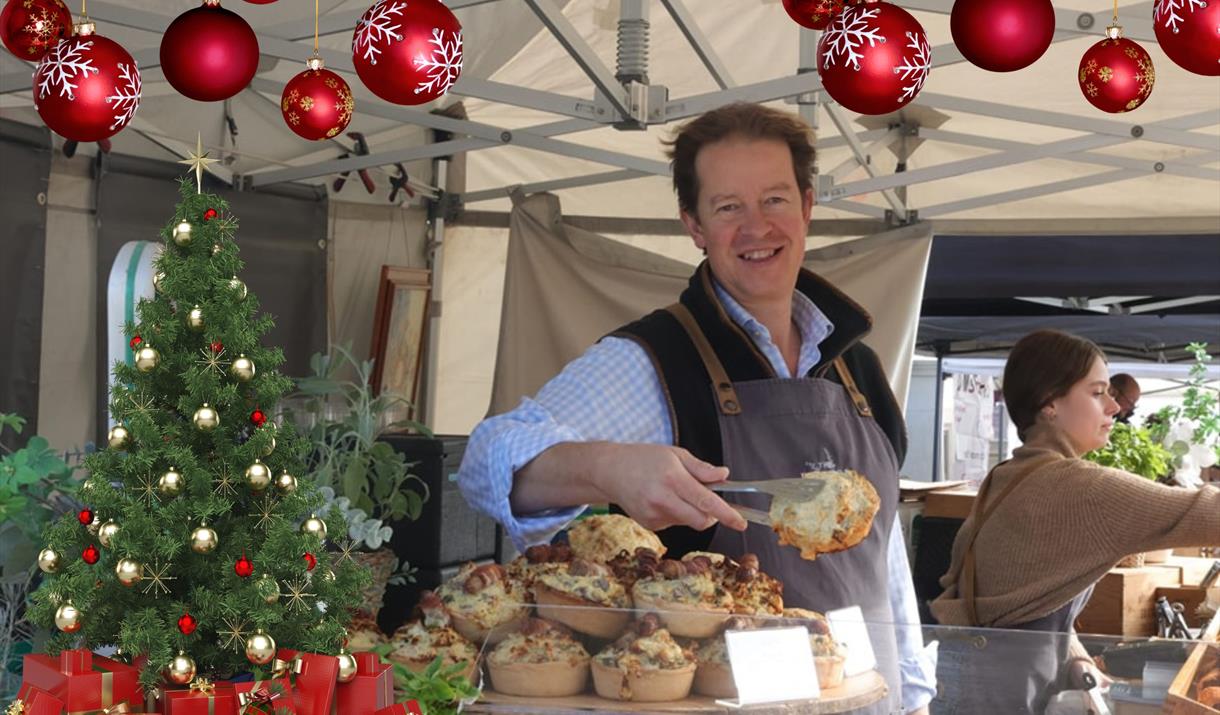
[{"x": 855, "y": 692}]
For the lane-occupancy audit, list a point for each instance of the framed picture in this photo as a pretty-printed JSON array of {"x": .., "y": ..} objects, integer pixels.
[{"x": 400, "y": 324}]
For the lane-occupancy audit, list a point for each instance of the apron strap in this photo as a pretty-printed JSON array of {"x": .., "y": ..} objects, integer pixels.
[
  {"x": 967, "y": 580},
  {"x": 857, "y": 398},
  {"x": 726, "y": 396}
]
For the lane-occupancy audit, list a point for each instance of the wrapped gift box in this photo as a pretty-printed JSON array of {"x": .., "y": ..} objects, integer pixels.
[
  {"x": 313, "y": 689},
  {"x": 201, "y": 699},
  {"x": 37, "y": 701},
  {"x": 371, "y": 690},
  {"x": 83, "y": 681},
  {"x": 408, "y": 708},
  {"x": 261, "y": 697}
]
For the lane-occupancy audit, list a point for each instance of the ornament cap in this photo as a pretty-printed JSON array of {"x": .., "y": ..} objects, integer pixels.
[
  {"x": 315, "y": 62},
  {"x": 84, "y": 28},
  {"x": 1114, "y": 31}
]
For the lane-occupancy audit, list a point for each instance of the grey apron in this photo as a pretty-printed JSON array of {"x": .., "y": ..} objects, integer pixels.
[{"x": 779, "y": 428}]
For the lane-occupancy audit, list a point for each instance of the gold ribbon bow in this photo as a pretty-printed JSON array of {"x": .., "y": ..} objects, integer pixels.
[
  {"x": 17, "y": 708},
  {"x": 280, "y": 667},
  {"x": 120, "y": 709},
  {"x": 258, "y": 696},
  {"x": 203, "y": 686}
]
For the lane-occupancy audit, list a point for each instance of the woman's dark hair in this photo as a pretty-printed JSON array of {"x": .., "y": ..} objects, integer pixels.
[{"x": 1042, "y": 367}]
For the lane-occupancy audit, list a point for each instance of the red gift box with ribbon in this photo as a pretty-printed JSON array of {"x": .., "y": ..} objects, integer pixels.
[
  {"x": 371, "y": 690},
  {"x": 408, "y": 708},
  {"x": 36, "y": 701},
  {"x": 203, "y": 697},
  {"x": 84, "y": 682},
  {"x": 313, "y": 689},
  {"x": 264, "y": 697}
]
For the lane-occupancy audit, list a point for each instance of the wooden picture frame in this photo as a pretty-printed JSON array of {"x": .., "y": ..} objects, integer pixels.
[{"x": 400, "y": 334}]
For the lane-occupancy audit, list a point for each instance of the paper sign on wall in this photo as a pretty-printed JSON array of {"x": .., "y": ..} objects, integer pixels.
[
  {"x": 772, "y": 664},
  {"x": 848, "y": 627}
]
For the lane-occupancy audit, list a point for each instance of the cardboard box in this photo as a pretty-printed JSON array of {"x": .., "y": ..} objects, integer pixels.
[
  {"x": 1123, "y": 599},
  {"x": 953, "y": 504}
]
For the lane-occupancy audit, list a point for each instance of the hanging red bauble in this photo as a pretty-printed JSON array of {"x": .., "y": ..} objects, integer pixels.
[
  {"x": 317, "y": 103},
  {"x": 874, "y": 58},
  {"x": 1002, "y": 35},
  {"x": 310, "y": 561},
  {"x": 408, "y": 53},
  {"x": 187, "y": 624},
  {"x": 1116, "y": 74},
  {"x": 258, "y": 417},
  {"x": 87, "y": 88},
  {"x": 1189, "y": 33},
  {"x": 90, "y": 554},
  {"x": 209, "y": 53},
  {"x": 217, "y": 346},
  {"x": 209, "y": 214},
  {"x": 244, "y": 567},
  {"x": 135, "y": 340},
  {"x": 30, "y": 28},
  {"x": 85, "y": 516},
  {"x": 814, "y": 14}
]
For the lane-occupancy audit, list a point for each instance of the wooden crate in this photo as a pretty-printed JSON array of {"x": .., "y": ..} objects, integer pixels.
[
  {"x": 1191, "y": 570},
  {"x": 1122, "y": 602},
  {"x": 1180, "y": 700},
  {"x": 953, "y": 504}
]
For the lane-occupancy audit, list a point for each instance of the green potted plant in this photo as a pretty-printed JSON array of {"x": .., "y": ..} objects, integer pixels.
[
  {"x": 366, "y": 479},
  {"x": 1190, "y": 431}
]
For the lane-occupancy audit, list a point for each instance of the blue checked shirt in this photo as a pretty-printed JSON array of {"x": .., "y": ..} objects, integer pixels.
[{"x": 612, "y": 393}]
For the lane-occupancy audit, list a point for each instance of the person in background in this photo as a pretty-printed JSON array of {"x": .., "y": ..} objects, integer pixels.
[
  {"x": 1047, "y": 525},
  {"x": 1126, "y": 392},
  {"x": 639, "y": 421}
]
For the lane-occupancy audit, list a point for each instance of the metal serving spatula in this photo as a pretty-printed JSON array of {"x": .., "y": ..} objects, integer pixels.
[{"x": 790, "y": 489}]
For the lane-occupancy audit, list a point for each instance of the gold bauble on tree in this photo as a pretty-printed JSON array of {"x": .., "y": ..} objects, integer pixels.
[
  {"x": 260, "y": 648},
  {"x": 94, "y": 525},
  {"x": 206, "y": 418},
  {"x": 258, "y": 476},
  {"x": 238, "y": 287},
  {"x": 129, "y": 571},
  {"x": 106, "y": 532},
  {"x": 314, "y": 527},
  {"x": 158, "y": 281},
  {"x": 204, "y": 539},
  {"x": 48, "y": 560},
  {"x": 67, "y": 618},
  {"x": 347, "y": 666},
  {"x": 242, "y": 368},
  {"x": 181, "y": 670},
  {"x": 182, "y": 233},
  {"x": 171, "y": 483},
  {"x": 268, "y": 589},
  {"x": 269, "y": 448},
  {"x": 286, "y": 483},
  {"x": 118, "y": 437},
  {"x": 194, "y": 319},
  {"x": 147, "y": 359}
]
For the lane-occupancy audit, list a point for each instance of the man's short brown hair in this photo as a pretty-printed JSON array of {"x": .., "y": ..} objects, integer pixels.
[{"x": 741, "y": 119}]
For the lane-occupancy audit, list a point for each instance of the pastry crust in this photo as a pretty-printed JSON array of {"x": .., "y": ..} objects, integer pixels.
[
  {"x": 539, "y": 660},
  {"x": 837, "y": 519},
  {"x": 601, "y": 537},
  {"x": 687, "y": 597},
  {"x": 645, "y": 665},
  {"x": 417, "y": 645},
  {"x": 483, "y": 603},
  {"x": 579, "y": 614}
]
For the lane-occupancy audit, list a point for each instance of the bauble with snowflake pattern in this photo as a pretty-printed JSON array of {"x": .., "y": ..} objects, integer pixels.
[
  {"x": 87, "y": 88},
  {"x": 408, "y": 52},
  {"x": 1116, "y": 75},
  {"x": 813, "y": 14},
  {"x": 32, "y": 28},
  {"x": 1002, "y": 35},
  {"x": 316, "y": 104},
  {"x": 209, "y": 53},
  {"x": 1189, "y": 33},
  {"x": 874, "y": 58}
]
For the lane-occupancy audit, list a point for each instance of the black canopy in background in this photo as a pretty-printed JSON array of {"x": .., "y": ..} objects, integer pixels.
[
  {"x": 973, "y": 283},
  {"x": 281, "y": 237},
  {"x": 25, "y": 154}
]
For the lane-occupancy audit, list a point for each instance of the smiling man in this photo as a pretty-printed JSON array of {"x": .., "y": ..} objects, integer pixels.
[{"x": 758, "y": 371}]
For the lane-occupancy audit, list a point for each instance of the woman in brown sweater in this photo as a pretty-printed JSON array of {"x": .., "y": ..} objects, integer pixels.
[{"x": 1047, "y": 525}]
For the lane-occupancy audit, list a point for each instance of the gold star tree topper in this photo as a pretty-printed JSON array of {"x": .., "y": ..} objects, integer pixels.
[{"x": 198, "y": 160}]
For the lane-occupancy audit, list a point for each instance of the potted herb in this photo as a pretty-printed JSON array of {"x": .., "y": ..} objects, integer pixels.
[
  {"x": 366, "y": 479},
  {"x": 1191, "y": 430},
  {"x": 1133, "y": 449}
]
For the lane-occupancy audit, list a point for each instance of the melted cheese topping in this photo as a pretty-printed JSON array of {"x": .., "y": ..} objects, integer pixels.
[
  {"x": 690, "y": 589},
  {"x": 838, "y": 518},
  {"x": 633, "y": 654},
  {"x": 761, "y": 596},
  {"x": 416, "y": 643},
  {"x": 601, "y": 537},
  {"x": 498, "y": 603},
  {"x": 549, "y": 648},
  {"x": 602, "y": 590}
]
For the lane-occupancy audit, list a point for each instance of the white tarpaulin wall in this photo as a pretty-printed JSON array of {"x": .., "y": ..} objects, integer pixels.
[{"x": 565, "y": 287}]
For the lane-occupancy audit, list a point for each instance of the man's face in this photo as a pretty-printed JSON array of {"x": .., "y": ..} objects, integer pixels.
[
  {"x": 1126, "y": 400},
  {"x": 751, "y": 218}
]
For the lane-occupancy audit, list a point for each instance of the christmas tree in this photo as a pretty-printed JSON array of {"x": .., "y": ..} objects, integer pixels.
[{"x": 198, "y": 545}]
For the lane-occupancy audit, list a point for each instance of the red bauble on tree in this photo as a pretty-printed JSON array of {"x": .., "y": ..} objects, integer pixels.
[
  {"x": 814, "y": 14},
  {"x": 85, "y": 516},
  {"x": 874, "y": 58},
  {"x": 408, "y": 53},
  {"x": 317, "y": 103},
  {"x": 1189, "y": 33},
  {"x": 258, "y": 417},
  {"x": 91, "y": 554},
  {"x": 243, "y": 567},
  {"x": 209, "y": 214},
  {"x": 1116, "y": 74},
  {"x": 311, "y": 561},
  {"x": 87, "y": 88},
  {"x": 187, "y": 624},
  {"x": 1002, "y": 35},
  {"x": 135, "y": 341},
  {"x": 217, "y": 346},
  {"x": 209, "y": 53},
  {"x": 31, "y": 28}
]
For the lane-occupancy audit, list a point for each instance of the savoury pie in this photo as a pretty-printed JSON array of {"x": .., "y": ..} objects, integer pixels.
[
  {"x": 645, "y": 665},
  {"x": 541, "y": 660},
  {"x": 838, "y": 518},
  {"x": 601, "y": 537},
  {"x": 483, "y": 603},
  {"x": 689, "y": 600},
  {"x": 829, "y": 655},
  {"x": 419, "y": 642},
  {"x": 590, "y": 586},
  {"x": 537, "y": 560}
]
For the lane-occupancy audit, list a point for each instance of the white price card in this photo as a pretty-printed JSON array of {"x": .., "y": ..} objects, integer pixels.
[
  {"x": 772, "y": 664},
  {"x": 847, "y": 626}
]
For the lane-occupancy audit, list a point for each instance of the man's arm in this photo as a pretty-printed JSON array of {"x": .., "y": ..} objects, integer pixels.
[{"x": 916, "y": 663}]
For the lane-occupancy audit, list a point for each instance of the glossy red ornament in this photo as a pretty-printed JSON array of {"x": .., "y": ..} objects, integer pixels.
[
  {"x": 30, "y": 28},
  {"x": 210, "y": 214},
  {"x": 874, "y": 58},
  {"x": 258, "y": 417},
  {"x": 243, "y": 567},
  {"x": 85, "y": 517},
  {"x": 1002, "y": 35},
  {"x": 1189, "y": 33},
  {"x": 216, "y": 346},
  {"x": 187, "y": 624},
  {"x": 135, "y": 340},
  {"x": 1116, "y": 74},
  {"x": 87, "y": 88},
  {"x": 408, "y": 52},
  {"x": 317, "y": 103},
  {"x": 310, "y": 561},
  {"x": 209, "y": 53},
  {"x": 814, "y": 14},
  {"x": 90, "y": 554}
]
